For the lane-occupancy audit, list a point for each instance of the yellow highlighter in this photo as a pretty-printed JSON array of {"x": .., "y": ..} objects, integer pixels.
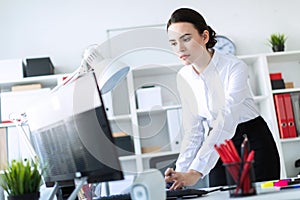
[{"x": 267, "y": 184}]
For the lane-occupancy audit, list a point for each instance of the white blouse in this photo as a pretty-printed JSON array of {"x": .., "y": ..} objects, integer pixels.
[{"x": 218, "y": 98}]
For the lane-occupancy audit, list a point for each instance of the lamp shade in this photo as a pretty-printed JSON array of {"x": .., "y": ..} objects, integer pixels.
[{"x": 110, "y": 73}]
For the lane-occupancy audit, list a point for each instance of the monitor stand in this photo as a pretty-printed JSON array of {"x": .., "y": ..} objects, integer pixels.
[
  {"x": 67, "y": 192},
  {"x": 54, "y": 191},
  {"x": 79, "y": 182}
]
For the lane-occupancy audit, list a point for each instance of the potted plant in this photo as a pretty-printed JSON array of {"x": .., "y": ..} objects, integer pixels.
[
  {"x": 22, "y": 180},
  {"x": 277, "y": 41}
]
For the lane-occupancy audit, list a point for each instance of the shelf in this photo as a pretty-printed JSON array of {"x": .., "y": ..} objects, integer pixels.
[
  {"x": 46, "y": 81},
  {"x": 4, "y": 125},
  {"x": 147, "y": 155},
  {"x": 157, "y": 109},
  {"x": 158, "y": 153},
  {"x": 128, "y": 158},
  {"x": 286, "y": 56},
  {"x": 119, "y": 118},
  {"x": 288, "y": 140},
  {"x": 278, "y": 91}
]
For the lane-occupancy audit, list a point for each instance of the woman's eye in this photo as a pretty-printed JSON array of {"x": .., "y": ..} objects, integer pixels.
[
  {"x": 173, "y": 43},
  {"x": 186, "y": 39}
]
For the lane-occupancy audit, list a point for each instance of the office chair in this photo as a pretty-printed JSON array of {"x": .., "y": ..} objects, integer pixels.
[{"x": 163, "y": 162}]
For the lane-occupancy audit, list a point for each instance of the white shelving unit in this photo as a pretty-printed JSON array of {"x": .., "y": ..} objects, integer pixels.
[{"x": 288, "y": 63}]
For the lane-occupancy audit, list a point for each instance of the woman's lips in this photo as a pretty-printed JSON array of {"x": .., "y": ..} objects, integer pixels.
[{"x": 184, "y": 57}]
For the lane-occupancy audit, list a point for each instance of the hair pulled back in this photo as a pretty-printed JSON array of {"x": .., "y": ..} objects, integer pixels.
[{"x": 195, "y": 18}]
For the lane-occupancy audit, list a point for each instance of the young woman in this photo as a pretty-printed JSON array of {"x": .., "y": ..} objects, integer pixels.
[{"x": 216, "y": 105}]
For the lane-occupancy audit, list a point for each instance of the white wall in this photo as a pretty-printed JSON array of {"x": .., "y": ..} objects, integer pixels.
[{"x": 63, "y": 29}]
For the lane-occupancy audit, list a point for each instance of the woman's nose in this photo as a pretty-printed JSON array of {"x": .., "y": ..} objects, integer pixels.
[{"x": 181, "y": 47}]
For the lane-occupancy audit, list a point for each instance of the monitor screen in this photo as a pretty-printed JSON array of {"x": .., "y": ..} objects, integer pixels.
[{"x": 70, "y": 133}]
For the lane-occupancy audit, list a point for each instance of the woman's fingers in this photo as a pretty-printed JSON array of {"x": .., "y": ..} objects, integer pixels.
[
  {"x": 177, "y": 185},
  {"x": 169, "y": 172},
  {"x": 169, "y": 175}
]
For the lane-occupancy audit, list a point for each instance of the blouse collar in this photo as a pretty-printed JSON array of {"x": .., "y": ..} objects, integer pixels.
[{"x": 212, "y": 64}]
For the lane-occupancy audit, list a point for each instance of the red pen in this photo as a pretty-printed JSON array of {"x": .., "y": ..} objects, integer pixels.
[
  {"x": 229, "y": 159},
  {"x": 233, "y": 150},
  {"x": 245, "y": 171}
]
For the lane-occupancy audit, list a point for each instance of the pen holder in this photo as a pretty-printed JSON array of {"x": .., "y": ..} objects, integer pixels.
[{"x": 240, "y": 176}]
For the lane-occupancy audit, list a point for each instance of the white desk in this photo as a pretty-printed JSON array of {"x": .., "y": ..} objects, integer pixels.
[{"x": 289, "y": 194}]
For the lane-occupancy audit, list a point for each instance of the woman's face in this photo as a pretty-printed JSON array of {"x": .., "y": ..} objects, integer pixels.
[{"x": 187, "y": 43}]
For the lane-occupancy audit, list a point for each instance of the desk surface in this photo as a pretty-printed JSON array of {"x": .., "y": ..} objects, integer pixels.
[{"x": 289, "y": 194}]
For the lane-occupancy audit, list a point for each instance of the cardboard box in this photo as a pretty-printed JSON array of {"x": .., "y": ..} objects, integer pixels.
[
  {"x": 289, "y": 84},
  {"x": 11, "y": 70},
  {"x": 150, "y": 149},
  {"x": 275, "y": 76},
  {"x": 277, "y": 84},
  {"x": 26, "y": 87}
]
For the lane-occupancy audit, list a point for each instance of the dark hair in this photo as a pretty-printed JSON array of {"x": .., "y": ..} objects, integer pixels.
[{"x": 195, "y": 18}]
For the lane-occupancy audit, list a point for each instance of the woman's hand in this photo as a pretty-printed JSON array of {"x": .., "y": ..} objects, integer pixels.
[{"x": 181, "y": 179}]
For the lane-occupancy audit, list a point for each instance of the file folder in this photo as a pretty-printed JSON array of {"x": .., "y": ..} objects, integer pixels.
[
  {"x": 281, "y": 115},
  {"x": 295, "y": 96},
  {"x": 174, "y": 128},
  {"x": 289, "y": 115}
]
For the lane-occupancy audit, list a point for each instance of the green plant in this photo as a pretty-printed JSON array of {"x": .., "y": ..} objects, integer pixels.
[
  {"x": 21, "y": 177},
  {"x": 277, "y": 39}
]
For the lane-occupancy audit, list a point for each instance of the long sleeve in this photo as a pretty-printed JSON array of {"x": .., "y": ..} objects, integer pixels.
[{"x": 192, "y": 126}]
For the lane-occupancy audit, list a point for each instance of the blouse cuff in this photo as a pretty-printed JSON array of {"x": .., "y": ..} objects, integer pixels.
[{"x": 200, "y": 166}]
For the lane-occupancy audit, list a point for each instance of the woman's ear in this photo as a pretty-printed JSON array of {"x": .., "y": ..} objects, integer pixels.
[{"x": 205, "y": 36}]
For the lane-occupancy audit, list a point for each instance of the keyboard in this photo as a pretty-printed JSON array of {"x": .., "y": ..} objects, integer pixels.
[
  {"x": 185, "y": 193},
  {"x": 171, "y": 194}
]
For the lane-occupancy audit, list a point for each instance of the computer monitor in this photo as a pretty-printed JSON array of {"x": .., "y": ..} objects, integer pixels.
[{"x": 70, "y": 133}]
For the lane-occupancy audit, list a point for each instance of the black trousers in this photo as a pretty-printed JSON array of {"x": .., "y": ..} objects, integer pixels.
[{"x": 266, "y": 159}]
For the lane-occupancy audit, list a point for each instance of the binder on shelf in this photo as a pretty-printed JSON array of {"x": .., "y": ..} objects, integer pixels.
[
  {"x": 281, "y": 115},
  {"x": 289, "y": 115},
  {"x": 295, "y": 96},
  {"x": 174, "y": 128}
]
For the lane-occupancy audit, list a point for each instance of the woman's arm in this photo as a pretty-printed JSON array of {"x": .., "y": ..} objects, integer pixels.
[{"x": 192, "y": 125}]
